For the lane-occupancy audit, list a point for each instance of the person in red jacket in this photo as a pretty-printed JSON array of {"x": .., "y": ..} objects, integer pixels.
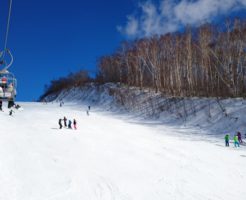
[{"x": 74, "y": 124}]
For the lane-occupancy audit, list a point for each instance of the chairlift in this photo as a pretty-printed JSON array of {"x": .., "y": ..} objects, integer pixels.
[
  {"x": 8, "y": 82},
  {"x": 8, "y": 85}
]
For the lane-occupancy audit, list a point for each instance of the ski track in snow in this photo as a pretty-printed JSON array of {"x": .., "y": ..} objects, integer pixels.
[{"x": 111, "y": 157}]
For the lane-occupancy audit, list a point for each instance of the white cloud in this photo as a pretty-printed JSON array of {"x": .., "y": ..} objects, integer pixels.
[
  {"x": 169, "y": 16},
  {"x": 150, "y": 19},
  {"x": 131, "y": 28}
]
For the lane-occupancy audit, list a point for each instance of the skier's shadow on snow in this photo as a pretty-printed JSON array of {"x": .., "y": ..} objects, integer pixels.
[
  {"x": 219, "y": 145},
  {"x": 243, "y": 156}
]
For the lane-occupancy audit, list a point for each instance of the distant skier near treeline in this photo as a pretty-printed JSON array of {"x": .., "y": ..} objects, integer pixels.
[
  {"x": 88, "y": 110},
  {"x": 227, "y": 138},
  {"x": 61, "y": 103},
  {"x": 60, "y": 123}
]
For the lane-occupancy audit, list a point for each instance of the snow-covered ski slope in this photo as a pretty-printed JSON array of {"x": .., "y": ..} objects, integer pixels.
[{"x": 112, "y": 157}]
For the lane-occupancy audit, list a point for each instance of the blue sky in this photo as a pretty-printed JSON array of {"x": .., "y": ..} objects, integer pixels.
[{"x": 51, "y": 38}]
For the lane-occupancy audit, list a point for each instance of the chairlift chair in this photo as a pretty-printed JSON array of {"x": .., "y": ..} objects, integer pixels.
[
  {"x": 8, "y": 82},
  {"x": 8, "y": 86}
]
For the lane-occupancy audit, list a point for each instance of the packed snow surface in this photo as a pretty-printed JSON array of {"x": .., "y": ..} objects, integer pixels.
[{"x": 112, "y": 157}]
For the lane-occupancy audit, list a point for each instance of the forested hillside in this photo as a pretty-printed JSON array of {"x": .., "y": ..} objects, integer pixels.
[{"x": 208, "y": 61}]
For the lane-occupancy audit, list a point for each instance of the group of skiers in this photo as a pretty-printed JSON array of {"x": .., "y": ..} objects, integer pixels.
[
  {"x": 237, "y": 139},
  {"x": 67, "y": 123}
]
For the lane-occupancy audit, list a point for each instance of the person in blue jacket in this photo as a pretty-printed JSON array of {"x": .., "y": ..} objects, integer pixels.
[{"x": 69, "y": 124}]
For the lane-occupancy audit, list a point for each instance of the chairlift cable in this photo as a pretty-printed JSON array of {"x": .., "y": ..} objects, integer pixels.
[
  {"x": 8, "y": 80},
  {"x": 7, "y": 28}
]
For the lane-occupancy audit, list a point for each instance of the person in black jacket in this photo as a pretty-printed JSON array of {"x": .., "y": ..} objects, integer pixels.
[
  {"x": 60, "y": 123},
  {"x": 65, "y": 121}
]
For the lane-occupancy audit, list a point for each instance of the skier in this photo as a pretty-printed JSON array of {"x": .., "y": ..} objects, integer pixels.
[
  {"x": 75, "y": 124},
  {"x": 17, "y": 106},
  {"x": 69, "y": 124},
  {"x": 11, "y": 112},
  {"x": 11, "y": 103},
  {"x": 1, "y": 106},
  {"x": 65, "y": 121},
  {"x": 60, "y": 123},
  {"x": 227, "y": 138},
  {"x": 89, "y": 107},
  {"x": 236, "y": 143},
  {"x": 239, "y": 137}
]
